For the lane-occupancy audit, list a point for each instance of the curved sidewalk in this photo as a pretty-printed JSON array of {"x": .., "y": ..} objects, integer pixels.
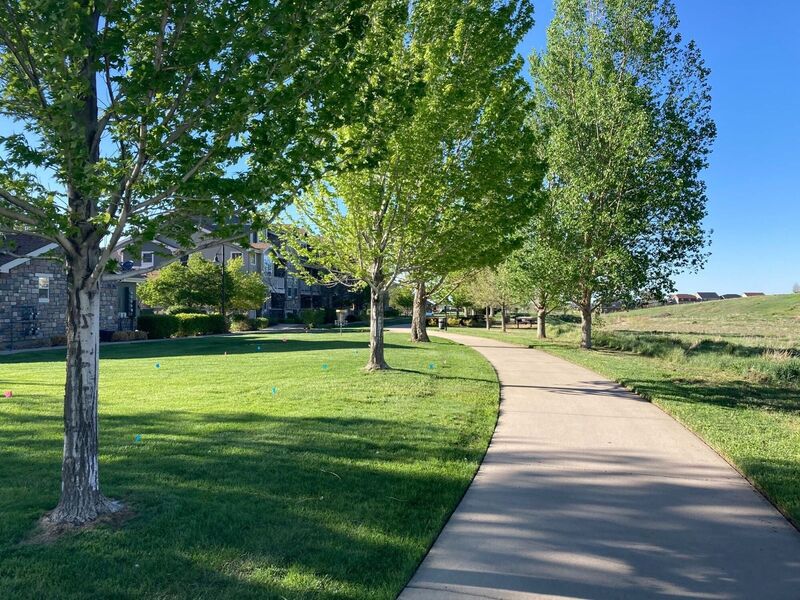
[{"x": 588, "y": 491}]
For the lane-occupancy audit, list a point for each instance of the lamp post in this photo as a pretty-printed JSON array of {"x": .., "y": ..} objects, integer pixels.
[{"x": 216, "y": 260}]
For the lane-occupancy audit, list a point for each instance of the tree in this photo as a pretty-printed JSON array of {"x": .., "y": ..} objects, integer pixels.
[
  {"x": 626, "y": 107},
  {"x": 248, "y": 290},
  {"x": 538, "y": 273},
  {"x": 479, "y": 173},
  {"x": 197, "y": 284},
  {"x": 459, "y": 298},
  {"x": 441, "y": 143},
  {"x": 146, "y": 117},
  {"x": 796, "y": 288},
  {"x": 401, "y": 297},
  {"x": 491, "y": 287}
]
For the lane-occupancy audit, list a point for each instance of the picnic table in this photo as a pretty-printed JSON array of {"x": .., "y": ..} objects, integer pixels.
[{"x": 525, "y": 320}]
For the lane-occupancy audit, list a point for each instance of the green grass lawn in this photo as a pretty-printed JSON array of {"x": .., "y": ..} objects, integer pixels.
[
  {"x": 334, "y": 486},
  {"x": 739, "y": 389}
]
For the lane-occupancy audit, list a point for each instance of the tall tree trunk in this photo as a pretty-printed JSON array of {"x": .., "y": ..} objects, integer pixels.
[
  {"x": 488, "y": 319},
  {"x": 377, "y": 298},
  {"x": 503, "y": 316},
  {"x": 586, "y": 320},
  {"x": 419, "y": 320},
  {"x": 81, "y": 500},
  {"x": 541, "y": 327}
]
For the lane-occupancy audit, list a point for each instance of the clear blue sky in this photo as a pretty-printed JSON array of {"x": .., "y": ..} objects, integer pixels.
[{"x": 753, "y": 52}]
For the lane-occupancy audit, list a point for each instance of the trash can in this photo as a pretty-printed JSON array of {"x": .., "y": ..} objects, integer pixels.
[{"x": 443, "y": 323}]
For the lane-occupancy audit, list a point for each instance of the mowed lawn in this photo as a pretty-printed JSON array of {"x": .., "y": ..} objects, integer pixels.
[
  {"x": 279, "y": 470},
  {"x": 729, "y": 370}
]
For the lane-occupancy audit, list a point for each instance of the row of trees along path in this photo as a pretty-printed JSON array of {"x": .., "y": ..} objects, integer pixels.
[{"x": 406, "y": 135}]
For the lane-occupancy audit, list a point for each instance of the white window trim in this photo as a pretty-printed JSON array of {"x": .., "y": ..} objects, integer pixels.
[
  {"x": 235, "y": 255},
  {"x": 152, "y": 259}
]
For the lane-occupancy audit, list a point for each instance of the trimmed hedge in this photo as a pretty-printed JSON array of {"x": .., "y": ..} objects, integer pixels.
[
  {"x": 180, "y": 325},
  {"x": 158, "y": 326},
  {"x": 198, "y": 324}
]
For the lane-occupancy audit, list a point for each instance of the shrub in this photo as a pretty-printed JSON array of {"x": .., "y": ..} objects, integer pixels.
[
  {"x": 158, "y": 326},
  {"x": 184, "y": 310},
  {"x": 140, "y": 335},
  {"x": 262, "y": 322},
  {"x": 312, "y": 316},
  {"x": 352, "y": 318},
  {"x": 245, "y": 324},
  {"x": 390, "y": 311},
  {"x": 453, "y": 322},
  {"x": 432, "y": 322},
  {"x": 58, "y": 340},
  {"x": 123, "y": 336}
]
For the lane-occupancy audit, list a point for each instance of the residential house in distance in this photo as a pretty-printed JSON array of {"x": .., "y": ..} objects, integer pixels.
[
  {"x": 730, "y": 296},
  {"x": 706, "y": 296},
  {"x": 33, "y": 295},
  {"x": 288, "y": 294},
  {"x": 684, "y": 298},
  {"x": 752, "y": 294}
]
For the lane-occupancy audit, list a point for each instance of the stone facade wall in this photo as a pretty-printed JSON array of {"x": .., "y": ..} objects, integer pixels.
[{"x": 26, "y": 321}]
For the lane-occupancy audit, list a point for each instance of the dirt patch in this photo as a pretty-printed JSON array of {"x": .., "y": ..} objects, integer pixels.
[{"x": 47, "y": 533}]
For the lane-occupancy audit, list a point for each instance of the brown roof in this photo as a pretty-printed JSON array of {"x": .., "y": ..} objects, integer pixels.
[{"x": 260, "y": 245}]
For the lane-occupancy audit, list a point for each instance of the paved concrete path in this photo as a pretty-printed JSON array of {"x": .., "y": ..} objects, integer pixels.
[{"x": 588, "y": 491}]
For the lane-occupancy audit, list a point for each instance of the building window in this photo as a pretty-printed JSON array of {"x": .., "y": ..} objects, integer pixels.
[
  {"x": 44, "y": 289},
  {"x": 252, "y": 260},
  {"x": 235, "y": 255},
  {"x": 148, "y": 258}
]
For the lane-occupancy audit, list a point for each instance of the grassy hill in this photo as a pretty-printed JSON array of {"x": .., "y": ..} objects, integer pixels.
[{"x": 775, "y": 319}]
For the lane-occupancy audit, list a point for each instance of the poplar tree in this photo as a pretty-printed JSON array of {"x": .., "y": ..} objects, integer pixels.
[{"x": 625, "y": 103}]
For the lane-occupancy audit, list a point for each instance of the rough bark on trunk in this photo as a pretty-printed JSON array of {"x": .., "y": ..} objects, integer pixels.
[
  {"x": 419, "y": 321},
  {"x": 541, "y": 327},
  {"x": 81, "y": 500},
  {"x": 586, "y": 321},
  {"x": 376, "y": 302}
]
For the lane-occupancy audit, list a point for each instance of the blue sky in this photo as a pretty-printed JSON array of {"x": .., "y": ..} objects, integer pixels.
[
  {"x": 754, "y": 202},
  {"x": 753, "y": 52}
]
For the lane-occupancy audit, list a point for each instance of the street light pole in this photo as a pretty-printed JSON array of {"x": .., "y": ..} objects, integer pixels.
[{"x": 223, "y": 286}]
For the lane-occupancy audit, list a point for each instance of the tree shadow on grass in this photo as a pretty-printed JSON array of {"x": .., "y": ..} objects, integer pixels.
[
  {"x": 236, "y": 505},
  {"x": 731, "y": 394},
  {"x": 202, "y": 346}
]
